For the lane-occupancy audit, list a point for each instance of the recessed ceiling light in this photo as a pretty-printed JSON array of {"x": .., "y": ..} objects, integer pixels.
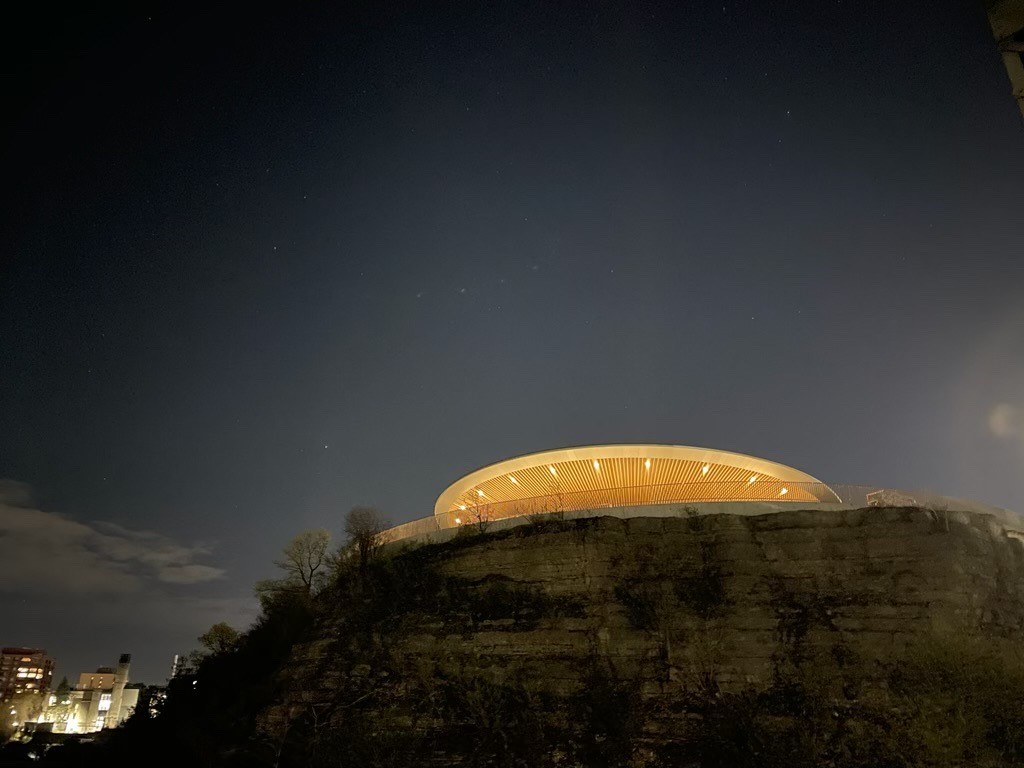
[
  {"x": 647, "y": 464},
  {"x": 784, "y": 491},
  {"x": 458, "y": 521},
  {"x": 752, "y": 480},
  {"x": 597, "y": 466},
  {"x": 552, "y": 470},
  {"x": 481, "y": 493},
  {"x": 462, "y": 506},
  {"x": 513, "y": 480},
  {"x": 704, "y": 469}
]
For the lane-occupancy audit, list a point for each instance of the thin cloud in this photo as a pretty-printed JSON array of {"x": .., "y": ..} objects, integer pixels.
[
  {"x": 46, "y": 552},
  {"x": 188, "y": 574}
]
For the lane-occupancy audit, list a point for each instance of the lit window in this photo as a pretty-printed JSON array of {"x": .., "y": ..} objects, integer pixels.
[{"x": 104, "y": 702}]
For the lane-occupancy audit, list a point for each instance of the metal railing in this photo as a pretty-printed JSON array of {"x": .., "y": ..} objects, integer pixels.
[
  {"x": 412, "y": 529},
  {"x": 644, "y": 495},
  {"x": 680, "y": 499}
]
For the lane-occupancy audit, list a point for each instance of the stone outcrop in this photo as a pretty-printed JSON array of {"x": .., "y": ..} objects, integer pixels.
[{"x": 670, "y": 604}]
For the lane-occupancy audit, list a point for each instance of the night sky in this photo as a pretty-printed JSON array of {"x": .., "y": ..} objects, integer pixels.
[{"x": 256, "y": 270}]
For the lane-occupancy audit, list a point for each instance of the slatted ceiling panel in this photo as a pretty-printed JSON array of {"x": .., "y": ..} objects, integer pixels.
[
  {"x": 611, "y": 473},
  {"x": 567, "y": 480},
  {"x": 584, "y": 475},
  {"x": 634, "y": 473},
  {"x": 625, "y": 482}
]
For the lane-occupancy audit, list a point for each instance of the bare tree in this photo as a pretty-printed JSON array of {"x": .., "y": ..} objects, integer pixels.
[
  {"x": 551, "y": 506},
  {"x": 477, "y": 511},
  {"x": 365, "y": 528},
  {"x": 305, "y": 560},
  {"x": 556, "y": 501}
]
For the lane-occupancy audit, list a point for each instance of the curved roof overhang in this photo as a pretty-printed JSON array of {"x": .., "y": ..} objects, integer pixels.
[{"x": 637, "y": 473}]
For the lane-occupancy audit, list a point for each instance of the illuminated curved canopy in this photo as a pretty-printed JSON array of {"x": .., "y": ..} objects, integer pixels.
[{"x": 597, "y": 476}]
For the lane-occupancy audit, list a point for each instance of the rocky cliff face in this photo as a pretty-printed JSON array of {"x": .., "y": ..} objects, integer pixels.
[{"x": 665, "y": 608}]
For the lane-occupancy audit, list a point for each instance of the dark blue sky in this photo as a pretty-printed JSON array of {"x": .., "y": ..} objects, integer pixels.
[{"x": 259, "y": 269}]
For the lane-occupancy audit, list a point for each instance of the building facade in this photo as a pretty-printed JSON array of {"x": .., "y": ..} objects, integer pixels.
[
  {"x": 99, "y": 700},
  {"x": 24, "y": 670}
]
